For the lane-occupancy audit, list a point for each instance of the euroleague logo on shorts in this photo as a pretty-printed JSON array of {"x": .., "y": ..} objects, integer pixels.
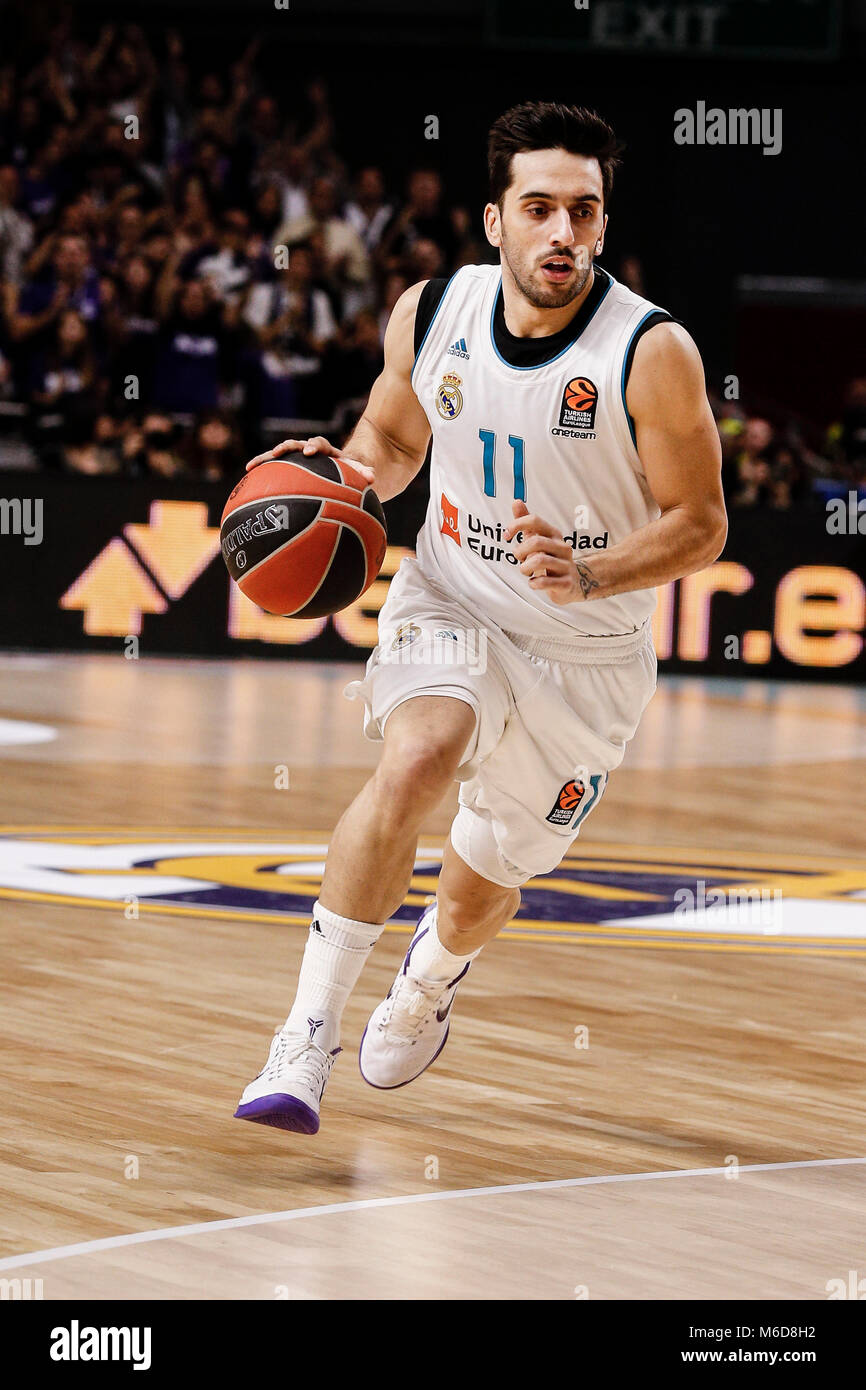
[
  {"x": 570, "y": 796},
  {"x": 577, "y": 411}
]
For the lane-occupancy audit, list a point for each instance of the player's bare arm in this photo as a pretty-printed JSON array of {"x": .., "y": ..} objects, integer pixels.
[
  {"x": 679, "y": 449},
  {"x": 389, "y": 442}
]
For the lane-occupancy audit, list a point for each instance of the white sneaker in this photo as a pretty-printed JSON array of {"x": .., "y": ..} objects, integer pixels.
[
  {"x": 287, "y": 1091},
  {"x": 409, "y": 1028}
]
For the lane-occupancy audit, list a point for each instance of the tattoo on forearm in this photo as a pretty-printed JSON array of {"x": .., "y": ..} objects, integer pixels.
[{"x": 586, "y": 578}]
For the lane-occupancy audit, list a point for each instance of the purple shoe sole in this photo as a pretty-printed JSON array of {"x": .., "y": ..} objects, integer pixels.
[
  {"x": 281, "y": 1112},
  {"x": 411, "y": 1078}
]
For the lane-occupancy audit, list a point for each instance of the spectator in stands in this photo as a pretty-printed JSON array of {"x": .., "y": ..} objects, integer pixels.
[
  {"x": 64, "y": 387},
  {"x": 368, "y": 212},
  {"x": 193, "y": 342},
  {"x": 44, "y": 172},
  {"x": 352, "y": 361},
  {"x": 195, "y": 218},
  {"x": 162, "y": 456},
  {"x": 90, "y": 446},
  {"x": 63, "y": 278},
  {"x": 129, "y": 229},
  {"x": 267, "y": 212},
  {"x": 121, "y": 169},
  {"x": 426, "y": 260},
  {"x": 215, "y": 447},
  {"x": 421, "y": 218},
  {"x": 16, "y": 229},
  {"x": 260, "y": 135},
  {"x": 785, "y": 476},
  {"x": 29, "y": 130},
  {"x": 151, "y": 448},
  {"x": 226, "y": 265},
  {"x": 122, "y": 70},
  {"x": 69, "y": 367},
  {"x": 133, "y": 326},
  {"x": 753, "y": 464},
  {"x": 157, "y": 249},
  {"x": 293, "y": 322},
  {"x": 347, "y": 264},
  {"x": 292, "y": 178},
  {"x": 211, "y": 164}
]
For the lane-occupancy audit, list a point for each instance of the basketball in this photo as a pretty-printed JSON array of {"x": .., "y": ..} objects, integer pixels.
[{"x": 303, "y": 536}]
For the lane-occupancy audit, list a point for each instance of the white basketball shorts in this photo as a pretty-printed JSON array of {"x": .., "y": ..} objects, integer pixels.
[{"x": 552, "y": 719}]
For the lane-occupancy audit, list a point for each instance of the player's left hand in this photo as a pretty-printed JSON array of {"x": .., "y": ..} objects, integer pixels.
[{"x": 544, "y": 556}]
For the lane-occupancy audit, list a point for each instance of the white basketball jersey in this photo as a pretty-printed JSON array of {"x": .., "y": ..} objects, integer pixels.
[{"x": 557, "y": 435}]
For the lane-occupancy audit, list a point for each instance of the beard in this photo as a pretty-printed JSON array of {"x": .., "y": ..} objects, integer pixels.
[{"x": 545, "y": 296}]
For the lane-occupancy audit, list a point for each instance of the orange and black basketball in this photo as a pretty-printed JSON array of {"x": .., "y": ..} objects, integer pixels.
[
  {"x": 303, "y": 536},
  {"x": 580, "y": 394}
]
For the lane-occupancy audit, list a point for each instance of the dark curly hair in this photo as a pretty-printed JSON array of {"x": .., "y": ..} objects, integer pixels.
[{"x": 549, "y": 125}]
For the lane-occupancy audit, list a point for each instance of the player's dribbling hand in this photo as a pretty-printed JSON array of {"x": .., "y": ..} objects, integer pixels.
[
  {"x": 317, "y": 445},
  {"x": 547, "y": 559}
]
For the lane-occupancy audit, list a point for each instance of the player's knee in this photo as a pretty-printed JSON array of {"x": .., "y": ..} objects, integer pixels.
[
  {"x": 464, "y": 910},
  {"x": 416, "y": 771}
]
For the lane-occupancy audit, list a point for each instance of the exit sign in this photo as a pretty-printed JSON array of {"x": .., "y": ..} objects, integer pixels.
[{"x": 693, "y": 28}]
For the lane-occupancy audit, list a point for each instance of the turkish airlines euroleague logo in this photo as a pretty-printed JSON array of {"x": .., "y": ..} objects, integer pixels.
[
  {"x": 450, "y": 520},
  {"x": 570, "y": 796},
  {"x": 579, "y": 400}
]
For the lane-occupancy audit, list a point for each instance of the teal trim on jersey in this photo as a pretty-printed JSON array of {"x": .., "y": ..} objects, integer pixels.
[
  {"x": 539, "y": 365},
  {"x": 432, "y": 321},
  {"x": 637, "y": 330}
]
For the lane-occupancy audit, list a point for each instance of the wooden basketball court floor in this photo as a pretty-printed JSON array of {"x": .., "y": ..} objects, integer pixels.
[{"x": 642, "y": 1096}]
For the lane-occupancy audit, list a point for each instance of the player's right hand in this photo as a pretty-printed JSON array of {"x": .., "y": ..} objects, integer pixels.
[{"x": 317, "y": 445}]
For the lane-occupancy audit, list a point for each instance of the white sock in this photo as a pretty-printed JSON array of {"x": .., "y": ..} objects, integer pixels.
[
  {"x": 433, "y": 961},
  {"x": 335, "y": 954}
]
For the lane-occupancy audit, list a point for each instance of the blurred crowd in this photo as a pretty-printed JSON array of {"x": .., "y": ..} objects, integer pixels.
[
  {"x": 768, "y": 463},
  {"x": 186, "y": 263},
  {"x": 182, "y": 260}
]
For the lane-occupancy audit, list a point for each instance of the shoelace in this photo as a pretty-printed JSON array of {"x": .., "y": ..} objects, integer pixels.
[
  {"x": 290, "y": 1048},
  {"x": 410, "y": 1006}
]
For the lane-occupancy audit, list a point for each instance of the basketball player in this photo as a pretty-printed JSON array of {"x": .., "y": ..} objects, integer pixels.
[{"x": 575, "y": 467}]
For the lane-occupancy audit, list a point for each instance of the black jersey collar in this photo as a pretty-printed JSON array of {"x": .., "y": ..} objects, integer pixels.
[{"x": 524, "y": 353}]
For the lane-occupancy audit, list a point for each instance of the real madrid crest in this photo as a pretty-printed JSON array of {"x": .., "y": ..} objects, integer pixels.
[
  {"x": 405, "y": 635},
  {"x": 449, "y": 398}
]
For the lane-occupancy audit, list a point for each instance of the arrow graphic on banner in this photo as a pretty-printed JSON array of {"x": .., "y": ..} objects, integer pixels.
[
  {"x": 176, "y": 544},
  {"x": 118, "y": 587},
  {"x": 114, "y": 591}
]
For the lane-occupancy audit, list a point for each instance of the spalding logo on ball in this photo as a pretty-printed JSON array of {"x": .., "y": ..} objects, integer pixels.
[{"x": 302, "y": 536}]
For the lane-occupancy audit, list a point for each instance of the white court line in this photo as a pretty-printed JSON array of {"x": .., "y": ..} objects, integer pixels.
[{"x": 87, "y": 1247}]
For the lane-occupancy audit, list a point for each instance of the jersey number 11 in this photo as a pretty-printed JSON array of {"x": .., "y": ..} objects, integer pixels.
[{"x": 488, "y": 439}]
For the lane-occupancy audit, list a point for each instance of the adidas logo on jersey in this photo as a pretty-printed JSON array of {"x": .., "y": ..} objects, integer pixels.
[{"x": 458, "y": 349}]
